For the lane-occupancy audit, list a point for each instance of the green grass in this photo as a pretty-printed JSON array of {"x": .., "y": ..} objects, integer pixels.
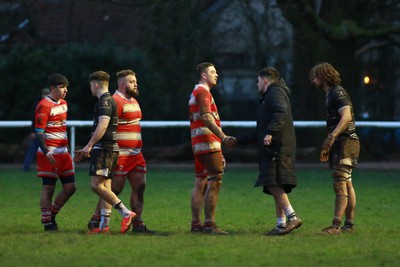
[{"x": 242, "y": 210}]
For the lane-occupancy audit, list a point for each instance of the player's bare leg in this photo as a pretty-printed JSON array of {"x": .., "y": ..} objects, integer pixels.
[
  {"x": 349, "y": 212},
  {"x": 137, "y": 181},
  {"x": 197, "y": 203},
  {"x": 45, "y": 205},
  {"x": 68, "y": 189},
  {"x": 340, "y": 177},
  {"x": 283, "y": 209},
  {"x": 351, "y": 203},
  {"x": 340, "y": 199},
  {"x": 96, "y": 217},
  {"x": 210, "y": 205},
  {"x": 102, "y": 187},
  {"x": 211, "y": 199}
]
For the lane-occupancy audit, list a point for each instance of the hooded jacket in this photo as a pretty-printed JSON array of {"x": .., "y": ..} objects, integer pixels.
[{"x": 274, "y": 117}]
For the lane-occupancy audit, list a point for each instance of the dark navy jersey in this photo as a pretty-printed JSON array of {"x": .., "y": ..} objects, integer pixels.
[
  {"x": 106, "y": 107},
  {"x": 336, "y": 98}
]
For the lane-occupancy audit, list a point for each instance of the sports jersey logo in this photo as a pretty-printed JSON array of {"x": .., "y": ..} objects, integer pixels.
[
  {"x": 130, "y": 108},
  {"x": 57, "y": 110}
]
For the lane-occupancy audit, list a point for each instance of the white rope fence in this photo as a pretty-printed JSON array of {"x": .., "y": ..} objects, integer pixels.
[{"x": 72, "y": 124}]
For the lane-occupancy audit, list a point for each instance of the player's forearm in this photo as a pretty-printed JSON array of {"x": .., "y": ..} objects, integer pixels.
[
  {"x": 99, "y": 131},
  {"x": 212, "y": 126},
  {"x": 41, "y": 142},
  {"x": 97, "y": 135},
  {"x": 345, "y": 119}
]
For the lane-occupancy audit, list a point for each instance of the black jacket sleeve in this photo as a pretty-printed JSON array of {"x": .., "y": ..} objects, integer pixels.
[
  {"x": 278, "y": 106},
  {"x": 247, "y": 138}
]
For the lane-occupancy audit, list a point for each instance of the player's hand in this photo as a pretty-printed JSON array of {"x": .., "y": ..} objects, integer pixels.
[
  {"x": 326, "y": 147},
  {"x": 79, "y": 155},
  {"x": 229, "y": 141},
  {"x": 268, "y": 140},
  {"x": 328, "y": 142},
  {"x": 50, "y": 157},
  {"x": 324, "y": 156}
]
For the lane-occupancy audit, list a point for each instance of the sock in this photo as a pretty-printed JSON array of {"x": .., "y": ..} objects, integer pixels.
[
  {"x": 289, "y": 212},
  {"x": 196, "y": 224},
  {"x": 105, "y": 218},
  {"x": 121, "y": 208},
  {"x": 46, "y": 216},
  {"x": 55, "y": 207},
  {"x": 209, "y": 223},
  {"x": 95, "y": 218},
  {"x": 137, "y": 222},
  {"x": 281, "y": 221},
  {"x": 349, "y": 223},
  {"x": 336, "y": 222}
]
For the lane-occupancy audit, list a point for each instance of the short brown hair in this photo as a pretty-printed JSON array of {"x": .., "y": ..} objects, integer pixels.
[
  {"x": 326, "y": 72},
  {"x": 99, "y": 76},
  {"x": 124, "y": 73},
  {"x": 270, "y": 73},
  {"x": 202, "y": 66},
  {"x": 57, "y": 79}
]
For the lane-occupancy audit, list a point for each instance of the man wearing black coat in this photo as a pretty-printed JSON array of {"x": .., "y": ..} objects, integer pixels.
[{"x": 276, "y": 141}]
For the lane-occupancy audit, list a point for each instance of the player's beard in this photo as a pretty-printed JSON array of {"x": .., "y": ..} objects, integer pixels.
[
  {"x": 318, "y": 86},
  {"x": 132, "y": 92}
]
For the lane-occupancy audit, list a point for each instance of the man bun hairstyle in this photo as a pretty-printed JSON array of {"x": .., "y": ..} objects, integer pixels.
[{"x": 57, "y": 79}]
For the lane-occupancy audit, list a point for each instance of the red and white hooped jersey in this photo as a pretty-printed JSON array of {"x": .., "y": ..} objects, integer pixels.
[
  {"x": 128, "y": 131},
  {"x": 51, "y": 116},
  {"x": 203, "y": 140}
]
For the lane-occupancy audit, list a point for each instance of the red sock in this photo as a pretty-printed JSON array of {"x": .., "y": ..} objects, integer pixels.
[
  {"x": 46, "y": 215},
  {"x": 55, "y": 207}
]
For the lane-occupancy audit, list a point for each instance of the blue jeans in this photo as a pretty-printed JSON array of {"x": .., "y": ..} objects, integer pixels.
[{"x": 30, "y": 154}]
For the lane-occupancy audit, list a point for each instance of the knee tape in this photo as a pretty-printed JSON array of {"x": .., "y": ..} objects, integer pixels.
[
  {"x": 340, "y": 176},
  {"x": 217, "y": 177},
  {"x": 340, "y": 189}
]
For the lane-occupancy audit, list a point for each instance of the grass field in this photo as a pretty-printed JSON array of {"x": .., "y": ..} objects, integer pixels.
[{"x": 243, "y": 211}]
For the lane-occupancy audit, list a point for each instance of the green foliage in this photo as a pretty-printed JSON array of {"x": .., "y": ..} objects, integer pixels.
[
  {"x": 27, "y": 70},
  {"x": 242, "y": 210}
]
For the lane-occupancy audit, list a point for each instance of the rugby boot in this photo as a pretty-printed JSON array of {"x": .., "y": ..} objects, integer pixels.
[
  {"x": 127, "y": 222},
  {"x": 278, "y": 230},
  {"x": 331, "y": 230},
  {"x": 92, "y": 224},
  {"x": 214, "y": 230},
  {"x": 142, "y": 229},
  {"x": 197, "y": 227},
  {"x": 50, "y": 226},
  {"x": 99, "y": 231},
  {"x": 348, "y": 229},
  {"x": 294, "y": 224}
]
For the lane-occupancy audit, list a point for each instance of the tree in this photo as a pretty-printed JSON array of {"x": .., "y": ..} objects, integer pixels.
[{"x": 352, "y": 36}]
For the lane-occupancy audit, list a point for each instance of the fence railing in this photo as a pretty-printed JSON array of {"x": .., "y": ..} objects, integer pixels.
[{"x": 72, "y": 124}]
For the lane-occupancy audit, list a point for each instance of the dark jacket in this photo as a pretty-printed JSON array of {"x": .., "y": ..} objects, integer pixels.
[{"x": 274, "y": 117}]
